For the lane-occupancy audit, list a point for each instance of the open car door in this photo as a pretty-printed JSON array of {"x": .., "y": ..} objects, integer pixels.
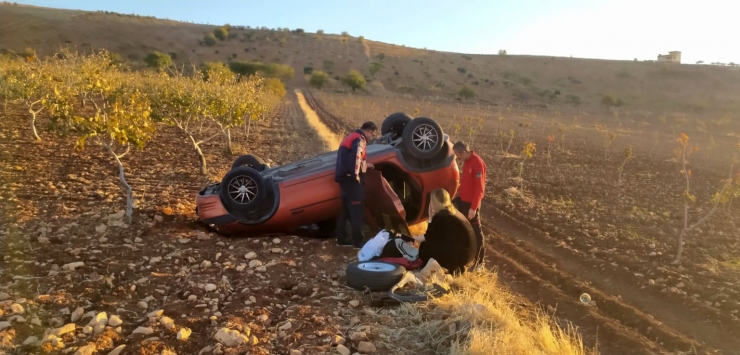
[{"x": 383, "y": 208}]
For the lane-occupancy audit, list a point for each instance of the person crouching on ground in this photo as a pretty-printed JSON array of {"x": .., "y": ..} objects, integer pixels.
[{"x": 450, "y": 238}]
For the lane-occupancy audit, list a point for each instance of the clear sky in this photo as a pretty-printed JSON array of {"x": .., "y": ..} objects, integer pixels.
[{"x": 607, "y": 29}]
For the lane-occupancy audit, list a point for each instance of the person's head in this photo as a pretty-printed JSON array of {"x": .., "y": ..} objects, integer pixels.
[
  {"x": 439, "y": 200},
  {"x": 368, "y": 129},
  {"x": 461, "y": 150}
]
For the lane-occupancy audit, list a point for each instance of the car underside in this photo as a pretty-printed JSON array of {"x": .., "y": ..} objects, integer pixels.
[{"x": 253, "y": 198}]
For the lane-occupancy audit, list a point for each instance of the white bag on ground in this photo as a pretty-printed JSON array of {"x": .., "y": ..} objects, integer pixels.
[{"x": 374, "y": 246}]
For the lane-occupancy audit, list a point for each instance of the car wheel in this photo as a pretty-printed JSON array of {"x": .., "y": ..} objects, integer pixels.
[
  {"x": 395, "y": 123},
  {"x": 423, "y": 137},
  {"x": 242, "y": 188},
  {"x": 374, "y": 275},
  {"x": 251, "y": 161}
]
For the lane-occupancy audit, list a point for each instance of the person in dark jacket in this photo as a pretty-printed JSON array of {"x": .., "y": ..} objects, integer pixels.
[
  {"x": 349, "y": 173},
  {"x": 450, "y": 238}
]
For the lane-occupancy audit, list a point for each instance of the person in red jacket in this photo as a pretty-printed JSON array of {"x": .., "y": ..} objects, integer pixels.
[
  {"x": 471, "y": 192},
  {"x": 350, "y": 169}
]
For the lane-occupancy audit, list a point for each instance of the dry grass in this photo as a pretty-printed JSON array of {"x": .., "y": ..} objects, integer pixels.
[{"x": 479, "y": 316}]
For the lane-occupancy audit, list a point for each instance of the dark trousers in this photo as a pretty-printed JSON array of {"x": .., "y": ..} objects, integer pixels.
[
  {"x": 464, "y": 207},
  {"x": 352, "y": 207}
]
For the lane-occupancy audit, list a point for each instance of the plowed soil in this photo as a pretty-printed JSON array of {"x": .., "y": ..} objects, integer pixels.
[
  {"x": 59, "y": 207},
  {"x": 578, "y": 230}
]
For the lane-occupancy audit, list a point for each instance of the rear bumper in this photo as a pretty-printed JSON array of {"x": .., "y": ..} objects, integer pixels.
[{"x": 209, "y": 208}]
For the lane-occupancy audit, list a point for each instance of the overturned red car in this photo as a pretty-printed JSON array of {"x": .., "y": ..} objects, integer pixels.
[{"x": 412, "y": 157}]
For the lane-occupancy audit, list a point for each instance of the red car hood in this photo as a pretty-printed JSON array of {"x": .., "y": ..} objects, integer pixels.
[{"x": 382, "y": 205}]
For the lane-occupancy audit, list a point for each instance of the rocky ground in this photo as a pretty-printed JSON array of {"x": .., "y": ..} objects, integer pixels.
[{"x": 77, "y": 278}]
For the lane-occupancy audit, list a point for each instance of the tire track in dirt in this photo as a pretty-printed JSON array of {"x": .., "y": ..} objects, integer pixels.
[
  {"x": 668, "y": 323},
  {"x": 331, "y": 140},
  {"x": 616, "y": 327},
  {"x": 335, "y": 123}
]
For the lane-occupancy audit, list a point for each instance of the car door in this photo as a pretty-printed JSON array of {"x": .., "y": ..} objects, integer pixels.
[{"x": 383, "y": 208}]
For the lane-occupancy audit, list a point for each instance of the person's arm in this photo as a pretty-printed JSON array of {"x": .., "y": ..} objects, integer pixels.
[
  {"x": 433, "y": 230},
  {"x": 356, "y": 154},
  {"x": 479, "y": 186}
]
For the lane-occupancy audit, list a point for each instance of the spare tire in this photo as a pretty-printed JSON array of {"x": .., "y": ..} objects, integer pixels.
[
  {"x": 423, "y": 137},
  {"x": 395, "y": 123},
  {"x": 251, "y": 161},
  {"x": 242, "y": 189},
  {"x": 377, "y": 276}
]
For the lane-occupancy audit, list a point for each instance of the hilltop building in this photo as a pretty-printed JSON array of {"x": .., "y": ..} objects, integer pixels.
[{"x": 674, "y": 57}]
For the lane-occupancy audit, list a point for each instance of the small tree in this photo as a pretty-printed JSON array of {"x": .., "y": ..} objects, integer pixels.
[
  {"x": 216, "y": 71},
  {"x": 527, "y": 152},
  {"x": 158, "y": 60},
  {"x": 221, "y": 33},
  {"x": 729, "y": 190},
  {"x": 275, "y": 87},
  {"x": 121, "y": 116},
  {"x": 318, "y": 79},
  {"x": 466, "y": 92},
  {"x": 609, "y": 138},
  {"x": 548, "y": 156},
  {"x": 328, "y": 65},
  {"x": 281, "y": 71},
  {"x": 245, "y": 68},
  {"x": 502, "y": 52},
  {"x": 180, "y": 102},
  {"x": 229, "y": 104},
  {"x": 375, "y": 68},
  {"x": 627, "y": 157},
  {"x": 354, "y": 79},
  {"x": 609, "y": 101},
  {"x": 27, "y": 82},
  {"x": 209, "y": 40}
]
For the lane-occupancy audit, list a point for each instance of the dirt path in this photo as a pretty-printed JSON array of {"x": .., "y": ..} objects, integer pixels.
[
  {"x": 622, "y": 319},
  {"x": 331, "y": 140},
  {"x": 335, "y": 123}
]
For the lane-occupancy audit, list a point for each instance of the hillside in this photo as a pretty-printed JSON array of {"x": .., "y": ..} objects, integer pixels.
[{"x": 647, "y": 87}]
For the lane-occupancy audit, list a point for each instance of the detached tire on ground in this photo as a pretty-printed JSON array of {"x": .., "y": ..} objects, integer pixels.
[
  {"x": 423, "y": 137},
  {"x": 251, "y": 161},
  {"x": 242, "y": 189},
  {"x": 377, "y": 276}
]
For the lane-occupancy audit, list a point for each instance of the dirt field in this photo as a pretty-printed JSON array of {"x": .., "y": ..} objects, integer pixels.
[
  {"x": 577, "y": 229},
  {"x": 59, "y": 206},
  {"x": 576, "y": 217}
]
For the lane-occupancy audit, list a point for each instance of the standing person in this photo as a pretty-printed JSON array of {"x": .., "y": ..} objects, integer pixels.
[
  {"x": 351, "y": 166},
  {"x": 471, "y": 192}
]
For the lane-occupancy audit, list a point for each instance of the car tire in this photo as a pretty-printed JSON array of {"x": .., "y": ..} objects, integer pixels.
[
  {"x": 377, "y": 276},
  {"x": 423, "y": 137},
  {"x": 251, "y": 161},
  {"x": 395, "y": 123},
  {"x": 242, "y": 189}
]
